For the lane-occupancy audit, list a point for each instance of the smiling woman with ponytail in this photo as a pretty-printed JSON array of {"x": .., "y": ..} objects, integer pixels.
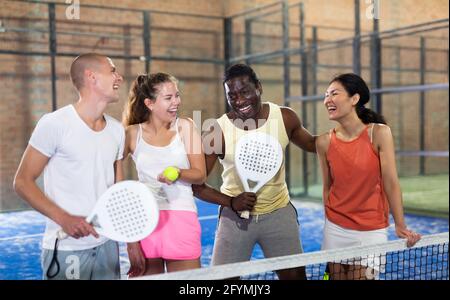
[
  {"x": 156, "y": 138},
  {"x": 355, "y": 85},
  {"x": 360, "y": 183},
  {"x": 143, "y": 87}
]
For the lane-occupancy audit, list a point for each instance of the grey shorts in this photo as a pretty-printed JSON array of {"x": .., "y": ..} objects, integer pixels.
[
  {"x": 101, "y": 263},
  {"x": 277, "y": 233}
]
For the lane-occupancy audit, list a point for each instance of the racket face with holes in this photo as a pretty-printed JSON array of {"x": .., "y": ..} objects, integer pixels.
[
  {"x": 126, "y": 212},
  {"x": 258, "y": 157}
]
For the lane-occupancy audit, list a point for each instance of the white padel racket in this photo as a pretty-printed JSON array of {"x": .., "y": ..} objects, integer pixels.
[
  {"x": 258, "y": 157},
  {"x": 126, "y": 212}
]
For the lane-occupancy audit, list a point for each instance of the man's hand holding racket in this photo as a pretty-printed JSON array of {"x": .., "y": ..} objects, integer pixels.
[
  {"x": 126, "y": 212},
  {"x": 77, "y": 227},
  {"x": 244, "y": 201}
]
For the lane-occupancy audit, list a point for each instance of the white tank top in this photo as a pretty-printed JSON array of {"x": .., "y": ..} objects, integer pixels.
[{"x": 152, "y": 160}]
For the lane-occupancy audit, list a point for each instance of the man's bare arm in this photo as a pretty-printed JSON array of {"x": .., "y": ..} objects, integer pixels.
[{"x": 30, "y": 168}]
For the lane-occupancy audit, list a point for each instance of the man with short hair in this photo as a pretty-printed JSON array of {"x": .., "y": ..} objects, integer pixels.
[
  {"x": 79, "y": 148},
  {"x": 273, "y": 219}
]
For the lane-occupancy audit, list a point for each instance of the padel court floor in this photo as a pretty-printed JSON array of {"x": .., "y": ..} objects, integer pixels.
[{"x": 21, "y": 237}]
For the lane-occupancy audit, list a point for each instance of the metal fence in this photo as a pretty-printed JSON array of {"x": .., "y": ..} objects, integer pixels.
[
  {"x": 406, "y": 67},
  {"x": 304, "y": 62}
]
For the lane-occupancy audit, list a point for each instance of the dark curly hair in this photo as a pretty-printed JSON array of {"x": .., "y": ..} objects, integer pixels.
[{"x": 238, "y": 70}]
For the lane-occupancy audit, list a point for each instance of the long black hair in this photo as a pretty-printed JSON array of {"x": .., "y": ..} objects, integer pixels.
[{"x": 354, "y": 84}]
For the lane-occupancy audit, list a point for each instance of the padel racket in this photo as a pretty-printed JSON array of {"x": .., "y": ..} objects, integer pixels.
[
  {"x": 258, "y": 157},
  {"x": 126, "y": 212}
]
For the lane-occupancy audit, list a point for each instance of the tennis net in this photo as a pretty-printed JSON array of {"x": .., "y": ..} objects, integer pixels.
[{"x": 427, "y": 260}]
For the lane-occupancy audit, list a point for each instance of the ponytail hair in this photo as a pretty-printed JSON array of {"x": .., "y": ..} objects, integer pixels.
[
  {"x": 369, "y": 116},
  {"x": 143, "y": 87},
  {"x": 354, "y": 84}
]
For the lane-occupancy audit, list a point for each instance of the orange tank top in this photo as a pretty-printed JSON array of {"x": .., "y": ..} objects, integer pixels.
[{"x": 356, "y": 199}]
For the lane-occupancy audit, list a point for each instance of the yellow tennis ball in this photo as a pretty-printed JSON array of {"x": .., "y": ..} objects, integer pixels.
[{"x": 171, "y": 173}]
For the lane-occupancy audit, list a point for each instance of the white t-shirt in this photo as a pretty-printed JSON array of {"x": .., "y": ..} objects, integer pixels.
[{"x": 80, "y": 169}]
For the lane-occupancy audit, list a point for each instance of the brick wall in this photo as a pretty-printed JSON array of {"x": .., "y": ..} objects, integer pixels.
[{"x": 25, "y": 81}]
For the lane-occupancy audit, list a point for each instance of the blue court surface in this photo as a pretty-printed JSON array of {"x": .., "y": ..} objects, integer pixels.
[{"x": 21, "y": 235}]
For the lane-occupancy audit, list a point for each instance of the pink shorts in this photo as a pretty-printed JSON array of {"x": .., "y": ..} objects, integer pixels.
[{"x": 177, "y": 236}]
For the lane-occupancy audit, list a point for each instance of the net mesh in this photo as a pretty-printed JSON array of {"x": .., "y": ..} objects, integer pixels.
[{"x": 427, "y": 260}]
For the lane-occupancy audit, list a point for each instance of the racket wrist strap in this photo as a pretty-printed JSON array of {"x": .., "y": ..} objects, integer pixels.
[{"x": 54, "y": 262}]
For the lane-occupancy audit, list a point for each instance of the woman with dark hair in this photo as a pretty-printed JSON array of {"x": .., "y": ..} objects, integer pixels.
[
  {"x": 157, "y": 138},
  {"x": 360, "y": 182}
]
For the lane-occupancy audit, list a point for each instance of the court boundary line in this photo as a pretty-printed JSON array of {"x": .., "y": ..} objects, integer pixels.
[{"x": 203, "y": 218}]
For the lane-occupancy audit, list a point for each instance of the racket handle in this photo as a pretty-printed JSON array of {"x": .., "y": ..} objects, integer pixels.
[
  {"x": 61, "y": 235},
  {"x": 245, "y": 214}
]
